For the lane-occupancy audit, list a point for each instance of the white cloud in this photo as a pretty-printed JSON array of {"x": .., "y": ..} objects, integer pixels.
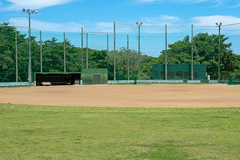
[
  {"x": 217, "y": 2},
  {"x": 46, "y": 26},
  {"x": 211, "y": 20},
  {"x": 102, "y": 26},
  {"x": 34, "y": 4},
  {"x": 108, "y": 26},
  {"x": 227, "y": 21},
  {"x": 160, "y": 20},
  {"x": 64, "y": 27}
]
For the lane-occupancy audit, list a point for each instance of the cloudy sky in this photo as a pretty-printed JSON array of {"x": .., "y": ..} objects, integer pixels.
[{"x": 98, "y": 15}]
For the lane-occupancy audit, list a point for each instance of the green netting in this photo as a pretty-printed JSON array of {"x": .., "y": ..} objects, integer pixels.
[
  {"x": 179, "y": 71},
  {"x": 88, "y": 75},
  {"x": 97, "y": 70},
  {"x": 11, "y": 77}
]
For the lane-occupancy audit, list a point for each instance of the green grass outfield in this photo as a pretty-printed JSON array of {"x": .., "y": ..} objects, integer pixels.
[{"x": 51, "y": 132}]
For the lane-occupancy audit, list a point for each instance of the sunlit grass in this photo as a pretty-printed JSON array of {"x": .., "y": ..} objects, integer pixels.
[{"x": 51, "y": 132}]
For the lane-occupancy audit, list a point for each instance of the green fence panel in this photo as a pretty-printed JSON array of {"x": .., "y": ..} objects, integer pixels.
[{"x": 179, "y": 71}]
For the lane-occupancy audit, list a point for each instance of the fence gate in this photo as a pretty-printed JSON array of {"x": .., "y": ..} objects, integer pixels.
[{"x": 97, "y": 79}]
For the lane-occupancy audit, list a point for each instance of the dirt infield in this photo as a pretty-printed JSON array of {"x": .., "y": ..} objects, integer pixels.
[{"x": 149, "y": 96}]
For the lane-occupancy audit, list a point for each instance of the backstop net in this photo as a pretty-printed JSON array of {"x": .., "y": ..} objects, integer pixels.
[{"x": 127, "y": 50}]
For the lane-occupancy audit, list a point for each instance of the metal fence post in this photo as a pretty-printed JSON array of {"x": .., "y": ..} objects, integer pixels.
[
  {"x": 64, "y": 52},
  {"x": 30, "y": 57},
  {"x": 16, "y": 55},
  {"x": 107, "y": 54},
  {"x": 82, "y": 48},
  {"x": 166, "y": 62},
  {"x": 192, "y": 53},
  {"x": 219, "y": 47},
  {"x": 139, "y": 52},
  {"x": 114, "y": 50},
  {"x": 86, "y": 50},
  {"x": 128, "y": 54},
  {"x": 41, "y": 69}
]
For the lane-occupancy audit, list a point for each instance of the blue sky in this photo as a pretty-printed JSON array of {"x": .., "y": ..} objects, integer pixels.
[{"x": 98, "y": 15}]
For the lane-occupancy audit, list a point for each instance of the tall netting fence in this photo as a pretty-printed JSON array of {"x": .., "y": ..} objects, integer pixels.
[
  {"x": 13, "y": 54},
  {"x": 229, "y": 61},
  {"x": 188, "y": 44},
  {"x": 97, "y": 51},
  {"x": 128, "y": 52}
]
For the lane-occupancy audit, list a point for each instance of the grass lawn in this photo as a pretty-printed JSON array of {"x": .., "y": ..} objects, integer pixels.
[{"x": 47, "y": 132}]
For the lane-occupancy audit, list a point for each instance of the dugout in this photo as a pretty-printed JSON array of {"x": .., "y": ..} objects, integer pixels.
[
  {"x": 94, "y": 76},
  {"x": 58, "y": 78},
  {"x": 179, "y": 71}
]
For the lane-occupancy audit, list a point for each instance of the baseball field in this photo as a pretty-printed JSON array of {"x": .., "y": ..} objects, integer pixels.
[
  {"x": 143, "y": 96},
  {"x": 120, "y": 122}
]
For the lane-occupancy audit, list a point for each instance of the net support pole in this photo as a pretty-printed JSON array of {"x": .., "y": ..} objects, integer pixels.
[
  {"x": 16, "y": 54},
  {"x": 82, "y": 49},
  {"x": 139, "y": 53},
  {"x": 166, "y": 62},
  {"x": 114, "y": 50},
  {"x": 128, "y": 55},
  {"x": 192, "y": 53},
  {"x": 41, "y": 68},
  {"x": 30, "y": 56},
  {"x": 86, "y": 50},
  {"x": 107, "y": 54},
  {"x": 219, "y": 35},
  {"x": 64, "y": 52}
]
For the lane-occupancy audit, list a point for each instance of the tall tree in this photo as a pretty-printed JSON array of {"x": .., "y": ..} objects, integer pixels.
[{"x": 205, "y": 52}]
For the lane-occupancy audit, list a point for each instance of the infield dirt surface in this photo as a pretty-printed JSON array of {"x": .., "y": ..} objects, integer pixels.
[{"x": 147, "y": 96}]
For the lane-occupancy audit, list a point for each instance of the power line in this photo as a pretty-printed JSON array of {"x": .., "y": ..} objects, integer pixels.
[
  {"x": 144, "y": 25},
  {"x": 98, "y": 32}
]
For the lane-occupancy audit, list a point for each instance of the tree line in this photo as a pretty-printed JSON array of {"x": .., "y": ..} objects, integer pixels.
[{"x": 205, "y": 52}]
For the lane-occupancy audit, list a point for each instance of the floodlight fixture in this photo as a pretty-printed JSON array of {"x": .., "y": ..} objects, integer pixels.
[
  {"x": 139, "y": 23},
  {"x": 219, "y": 24}
]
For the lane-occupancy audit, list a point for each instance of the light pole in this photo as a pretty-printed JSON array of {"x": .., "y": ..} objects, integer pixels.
[
  {"x": 29, "y": 39},
  {"x": 219, "y": 42},
  {"x": 139, "y": 53}
]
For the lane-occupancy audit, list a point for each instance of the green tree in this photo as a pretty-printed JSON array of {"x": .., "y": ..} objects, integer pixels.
[
  {"x": 122, "y": 55},
  {"x": 7, "y": 52},
  {"x": 205, "y": 52},
  {"x": 146, "y": 66}
]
